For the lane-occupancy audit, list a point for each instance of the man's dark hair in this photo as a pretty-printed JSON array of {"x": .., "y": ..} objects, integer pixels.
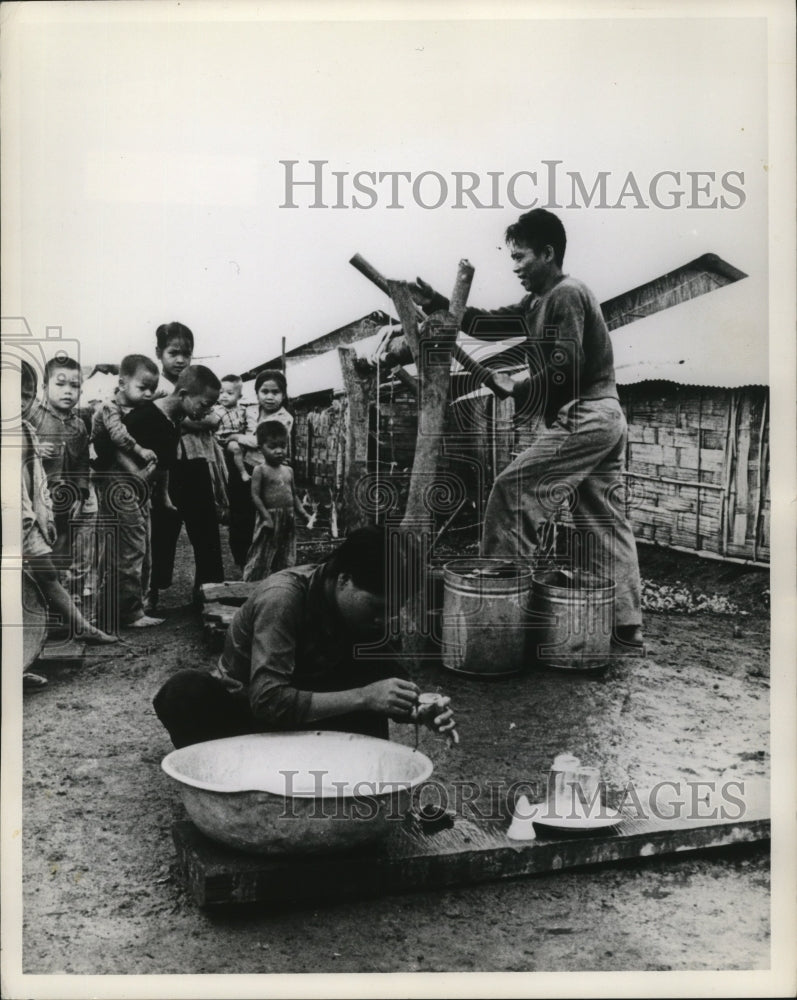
[
  {"x": 365, "y": 558},
  {"x": 195, "y": 378},
  {"x": 537, "y": 229},
  {"x": 235, "y": 379},
  {"x": 131, "y": 363},
  {"x": 271, "y": 430},
  {"x": 61, "y": 361},
  {"x": 167, "y": 332},
  {"x": 272, "y": 375}
]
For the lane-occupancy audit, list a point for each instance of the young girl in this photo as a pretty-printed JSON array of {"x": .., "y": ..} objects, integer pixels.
[
  {"x": 196, "y": 482},
  {"x": 274, "y": 497},
  {"x": 271, "y": 390}
]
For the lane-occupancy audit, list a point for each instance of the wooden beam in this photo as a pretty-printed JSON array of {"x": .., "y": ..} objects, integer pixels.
[
  {"x": 414, "y": 857},
  {"x": 233, "y": 592}
]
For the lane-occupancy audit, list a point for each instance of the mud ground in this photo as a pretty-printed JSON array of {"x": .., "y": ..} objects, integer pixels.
[{"x": 101, "y": 894}]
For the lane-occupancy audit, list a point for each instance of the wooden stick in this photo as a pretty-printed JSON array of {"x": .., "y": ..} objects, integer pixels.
[
  {"x": 459, "y": 297},
  {"x": 403, "y": 376}
]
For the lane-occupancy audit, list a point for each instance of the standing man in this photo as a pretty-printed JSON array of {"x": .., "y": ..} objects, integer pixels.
[{"x": 579, "y": 452}]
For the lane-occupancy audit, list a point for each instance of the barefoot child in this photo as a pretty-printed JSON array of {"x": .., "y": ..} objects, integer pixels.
[
  {"x": 271, "y": 391},
  {"x": 274, "y": 543},
  {"x": 38, "y": 530},
  {"x": 64, "y": 444},
  {"x": 121, "y": 459},
  {"x": 196, "y": 480},
  {"x": 156, "y": 425}
]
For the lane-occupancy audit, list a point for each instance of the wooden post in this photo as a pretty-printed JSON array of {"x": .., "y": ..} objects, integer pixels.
[
  {"x": 431, "y": 346},
  {"x": 359, "y": 388}
]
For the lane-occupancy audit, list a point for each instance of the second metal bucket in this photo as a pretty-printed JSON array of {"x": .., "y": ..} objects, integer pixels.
[
  {"x": 485, "y": 609},
  {"x": 571, "y": 621}
]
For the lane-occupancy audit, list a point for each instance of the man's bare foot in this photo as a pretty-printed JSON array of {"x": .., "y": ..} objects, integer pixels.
[
  {"x": 94, "y": 637},
  {"x": 145, "y": 621}
]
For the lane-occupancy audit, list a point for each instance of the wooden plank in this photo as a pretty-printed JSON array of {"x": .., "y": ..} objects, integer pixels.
[
  {"x": 218, "y": 614},
  {"x": 739, "y": 532},
  {"x": 234, "y": 592},
  {"x": 62, "y": 652},
  {"x": 473, "y": 850}
]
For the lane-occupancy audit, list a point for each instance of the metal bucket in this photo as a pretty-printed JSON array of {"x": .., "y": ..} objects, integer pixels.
[
  {"x": 485, "y": 608},
  {"x": 572, "y": 617}
]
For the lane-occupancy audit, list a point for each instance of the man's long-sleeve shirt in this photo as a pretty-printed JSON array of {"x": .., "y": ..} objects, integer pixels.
[
  {"x": 568, "y": 348},
  {"x": 287, "y": 643}
]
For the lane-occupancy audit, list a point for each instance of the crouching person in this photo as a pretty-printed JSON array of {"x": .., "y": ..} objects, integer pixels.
[{"x": 291, "y": 658}]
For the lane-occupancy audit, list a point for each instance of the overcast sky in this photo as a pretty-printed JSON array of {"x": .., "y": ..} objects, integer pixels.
[{"x": 151, "y": 184}]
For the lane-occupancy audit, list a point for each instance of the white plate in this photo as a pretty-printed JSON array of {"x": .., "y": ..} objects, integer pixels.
[{"x": 577, "y": 824}]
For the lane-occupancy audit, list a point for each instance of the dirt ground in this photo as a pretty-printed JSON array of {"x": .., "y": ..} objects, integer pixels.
[{"x": 101, "y": 894}]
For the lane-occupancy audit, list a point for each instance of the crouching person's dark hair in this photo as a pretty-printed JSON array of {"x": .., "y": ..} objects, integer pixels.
[{"x": 378, "y": 559}]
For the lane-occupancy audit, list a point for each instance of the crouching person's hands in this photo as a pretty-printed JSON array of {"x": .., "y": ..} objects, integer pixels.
[
  {"x": 434, "y": 711},
  {"x": 393, "y": 697}
]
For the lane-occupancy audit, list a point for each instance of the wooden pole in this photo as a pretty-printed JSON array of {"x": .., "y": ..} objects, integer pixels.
[
  {"x": 431, "y": 346},
  {"x": 359, "y": 389}
]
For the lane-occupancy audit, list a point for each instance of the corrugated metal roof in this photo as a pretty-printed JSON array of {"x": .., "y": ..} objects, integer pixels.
[
  {"x": 322, "y": 373},
  {"x": 718, "y": 339}
]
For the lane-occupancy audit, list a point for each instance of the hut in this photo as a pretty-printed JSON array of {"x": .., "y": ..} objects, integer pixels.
[{"x": 694, "y": 382}]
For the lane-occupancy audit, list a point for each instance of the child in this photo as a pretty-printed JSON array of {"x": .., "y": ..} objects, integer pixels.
[
  {"x": 196, "y": 482},
  {"x": 122, "y": 467},
  {"x": 64, "y": 444},
  {"x": 174, "y": 349},
  {"x": 274, "y": 543},
  {"x": 232, "y": 423},
  {"x": 271, "y": 390},
  {"x": 38, "y": 530},
  {"x": 156, "y": 427},
  {"x": 113, "y": 443},
  {"x": 233, "y": 427}
]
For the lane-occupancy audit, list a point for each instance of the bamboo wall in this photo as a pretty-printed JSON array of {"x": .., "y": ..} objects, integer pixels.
[{"x": 698, "y": 464}]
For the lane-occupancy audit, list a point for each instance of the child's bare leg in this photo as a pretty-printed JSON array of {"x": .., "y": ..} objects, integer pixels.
[
  {"x": 237, "y": 453},
  {"x": 59, "y": 601}
]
